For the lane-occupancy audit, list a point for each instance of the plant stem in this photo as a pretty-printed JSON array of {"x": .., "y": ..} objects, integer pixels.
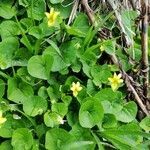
[
  {"x": 4, "y": 75},
  {"x": 144, "y": 39}
]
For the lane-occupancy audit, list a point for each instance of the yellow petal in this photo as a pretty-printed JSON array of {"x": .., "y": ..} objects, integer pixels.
[
  {"x": 120, "y": 80},
  {"x": 119, "y": 75},
  {"x": 110, "y": 79},
  {"x": 47, "y": 14},
  {"x": 72, "y": 88},
  {"x": 55, "y": 14},
  {"x": 50, "y": 23},
  {"x": 78, "y": 84},
  {"x": 114, "y": 87},
  {"x": 2, "y": 120},
  {"x": 75, "y": 93},
  {"x": 52, "y": 10},
  {"x": 79, "y": 88},
  {"x": 73, "y": 84}
]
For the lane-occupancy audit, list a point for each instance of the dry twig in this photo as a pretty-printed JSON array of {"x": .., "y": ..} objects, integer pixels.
[{"x": 144, "y": 38}]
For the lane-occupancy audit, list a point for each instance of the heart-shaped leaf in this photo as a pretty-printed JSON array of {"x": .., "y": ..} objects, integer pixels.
[
  {"x": 91, "y": 113},
  {"x": 40, "y": 66},
  {"x": 34, "y": 105}
]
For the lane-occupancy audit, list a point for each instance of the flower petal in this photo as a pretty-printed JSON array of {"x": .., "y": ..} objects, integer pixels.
[
  {"x": 110, "y": 79},
  {"x": 51, "y": 10},
  {"x": 120, "y": 80},
  {"x": 119, "y": 75},
  {"x": 75, "y": 93},
  {"x": 79, "y": 88},
  {"x": 2, "y": 120},
  {"x": 114, "y": 87},
  {"x": 47, "y": 14}
]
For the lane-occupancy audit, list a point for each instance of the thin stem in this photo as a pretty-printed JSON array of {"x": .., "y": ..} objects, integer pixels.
[
  {"x": 26, "y": 117},
  {"x": 4, "y": 75},
  {"x": 144, "y": 38}
]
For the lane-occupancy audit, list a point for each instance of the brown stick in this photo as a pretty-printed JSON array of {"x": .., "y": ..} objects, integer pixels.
[
  {"x": 88, "y": 10},
  {"x": 139, "y": 101},
  {"x": 144, "y": 38},
  {"x": 115, "y": 60}
]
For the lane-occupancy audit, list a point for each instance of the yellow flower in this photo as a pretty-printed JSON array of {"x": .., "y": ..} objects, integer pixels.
[
  {"x": 76, "y": 88},
  {"x": 115, "y": 81},
  {"x": 2, "y": 119},
  {"x": 52, "y": 16}
]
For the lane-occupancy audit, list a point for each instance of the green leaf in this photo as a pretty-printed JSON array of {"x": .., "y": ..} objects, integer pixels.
[
  {"x": 51, "y": 119},
  {"x": 53, "y": 92},
  {"x": 56, "y": 1},
  {"x": 107, "y": 94},
  {"x": 22, "y": 139},
  {"x": 35, "y": 145},
  {"x": 84, "y": 145},
  {"x": 58, "y": 62},
  {"x": 81, "y": 135},
  {"x": 135, "y": 52},
  {"x": 26, "y": 23},
  {"x": 81, "y": 23},
  {"x": 35, "y": 8},
  {"x": 7, "y": 11},
  {"x": 6, "y": 145},
  {"x": 40, "y": 66},
  {"x": 6, "y": 129},
  {"x": 68, "y": 50},
  {"x": 145, "y": 124},
  {"x": 111, "y": 107},
  {"x": 100, "y": 74},
  {"x": 11, "y": 124},
  {"x": 43, "y": 92},
  {"x": 6, "y": 31},
  {"x": 128, "y": 112},
  {"x": 18, "y": 91},
  {"x": 109, "y": 46},
  {"x": 124, "y": 60},
  {"x": 127, "y": 18},
  {"x": 34, "y": 106},
  {"x": 2, "y": 88},
  {"x": 109, "y": 121},
  {"x": 90, "y": 113},
  {"x": 90, "y": 34},
  {"x": 41, "y": 30},
  {"x": 54, "y": 46},
  {"x": 60, "y": 108},
  {"x": 7, "y": 49},
  {"x": 66, "y": 99},
  {"x": 127, "y": 136},
  {"x": 72, "y": 117},
  {"x": 57, "y": 138},
  {"x": 74, "y": 31},
  {"x": 36, "y": 32},
  {"x": 91, "y": 89}
]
